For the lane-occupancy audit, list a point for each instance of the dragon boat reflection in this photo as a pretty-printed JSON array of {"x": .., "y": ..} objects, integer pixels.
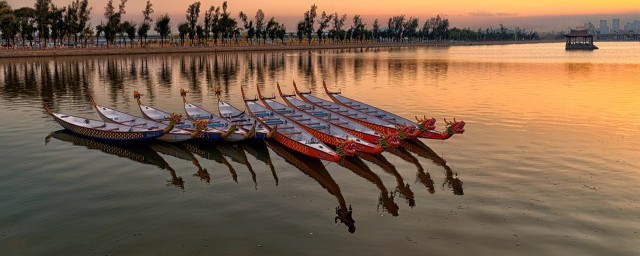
[
  {"x": 179, "y": 151},
  {"x": 357, "y": 166},
  {"x": 211, "y": 152},
  {"x": 451, "y": 180},
  {"x": 259, "y": 150},
  {"x": 314, "y": 168},
  {"x": 421, "y": 176},
  {"x": 402, "y": 188},
  {"x": 237, "y": 155},
  {"x": 139, "y": 153}
]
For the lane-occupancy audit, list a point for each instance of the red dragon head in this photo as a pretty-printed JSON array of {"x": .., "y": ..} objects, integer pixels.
[
  {"x": 389, "y": 140},
  {"x": 408, "y": 131},
  {"x": 455, "y": 127},
  {"x": 425, "y": 124},
  {"x": 346, "y": 147}
]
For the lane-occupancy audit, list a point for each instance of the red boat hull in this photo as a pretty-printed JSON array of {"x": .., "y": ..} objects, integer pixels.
[{"x": 299, "y": 147}]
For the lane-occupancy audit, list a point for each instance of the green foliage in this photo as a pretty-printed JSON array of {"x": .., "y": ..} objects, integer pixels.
[
  {"x": 183, "y": 30},
  {"x": 163, "y": 27},
  {"x": 193, "y": 13},
  {"x": 113, "y": 25}
]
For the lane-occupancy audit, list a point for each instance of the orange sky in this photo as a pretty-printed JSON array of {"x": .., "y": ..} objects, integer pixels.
[{"x": 460, "y": 10}]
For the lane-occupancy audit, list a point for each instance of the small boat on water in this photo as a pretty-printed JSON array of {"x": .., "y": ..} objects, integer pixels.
[
  {"x": 288, "y": 133},
  {"x": 239, "y": 117},
  {"x": 424, "y": 128},
  {"x": 115, "y": 116},
  {"x": 207, "y": 133},
  {"x": 325, "y": 131},
  {"x": 110, "y": 131},
  {"x": 196, "y": 112},
  {"x": 343, "y": 122},
  {"x": 388, "y": 130}
]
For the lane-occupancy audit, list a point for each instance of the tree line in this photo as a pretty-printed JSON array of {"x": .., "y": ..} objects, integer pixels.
[{"x": 47, "y": 22}]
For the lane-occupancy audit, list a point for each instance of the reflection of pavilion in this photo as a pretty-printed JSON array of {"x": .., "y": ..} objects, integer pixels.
[{"x": 579, "y": 40}]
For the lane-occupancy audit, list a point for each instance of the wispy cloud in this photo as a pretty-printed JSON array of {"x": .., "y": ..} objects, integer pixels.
[{"x": 491, "y": 14}]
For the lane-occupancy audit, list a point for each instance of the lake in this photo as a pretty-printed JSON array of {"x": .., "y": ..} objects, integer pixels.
[{"x": 549, "y": 163}]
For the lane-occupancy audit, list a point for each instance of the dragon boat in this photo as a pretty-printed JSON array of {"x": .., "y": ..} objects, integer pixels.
[
  {"x": 239, "y": 117},
  {"x": 354, "y": 128},
  {"x": 288, "y": 133},
  {"x": 322, "y": 129},
  {"x": 387, "y": 129},
  {"x": 112, "y": 115},
  {"x": 424, "y": 128},
  {"x": 109, "y": 131},
  {"x": 206, "y": 133},
  {"x": 196, "y": 112}
]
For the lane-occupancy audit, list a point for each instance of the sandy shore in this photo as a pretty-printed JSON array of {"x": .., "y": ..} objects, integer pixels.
[{"x": 96, "y": 51}]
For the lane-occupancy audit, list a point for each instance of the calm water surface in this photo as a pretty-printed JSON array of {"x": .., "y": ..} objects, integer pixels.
[{"x": 549, "y": 164}]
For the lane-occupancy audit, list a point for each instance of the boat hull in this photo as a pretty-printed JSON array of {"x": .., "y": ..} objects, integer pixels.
[
  {"x": 109, "y": 135},
  {"x": 174, "y": 136},
  {"x": 299, "y": 147}
]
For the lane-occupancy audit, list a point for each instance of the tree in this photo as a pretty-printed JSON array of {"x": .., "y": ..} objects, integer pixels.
[
  {"x": 409, "y": 28},
  {"x": 43, "y": 9},
  {"x": 99, "y": 30},
  {"x": 271, "y": 29},
  {"x": 183, "y": 29},
  {"x": 338, "y": 24},
  {"x": 394, "y": 27},
  {"x": 87, "y": 33},
  {"x": 59, "y": 23},
  {"x": 83, "y": 14},
  {"x": 358, "y": 30},
  {"x": 281, "y": 32},
  {"x": 301, "y": 31},
  {"x": 8, "y": 23},
  {"x": 193, "y": 12},
  {"x": 208, "y": 16},
  {"x": 376, "y": 30},
  {"x": 146, "y": 22},
  {"x": 26, "y": 19},
  {"x": 113, "y": 26},
  {"x": 323, "y": 23},
  {"x": 143, "y": 30},
  {"x": 309, "y": 20},
  {"x": 131, "y": 31},
  {"x": 248, "y": 26},
  {"x": 228, "y": 25},
  {"x": 259, "y": 24},
  {"x": 163, "y": 27},
  {"x": 215, "y": 24},
  {"x": 123, "y": 30}
]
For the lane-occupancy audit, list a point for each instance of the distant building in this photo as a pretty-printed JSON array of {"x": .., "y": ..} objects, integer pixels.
[
  {"x": 615, "y": 25},
  {"x": 604, "y": 27},
  {"x": 632, "y": 26}
]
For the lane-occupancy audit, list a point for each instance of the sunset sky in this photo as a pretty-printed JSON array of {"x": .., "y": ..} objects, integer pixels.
[{"x": 538, "y": 14}]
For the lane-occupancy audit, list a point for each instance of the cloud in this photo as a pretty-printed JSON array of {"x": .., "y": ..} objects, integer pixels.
[{"x": 491, "y": 14}]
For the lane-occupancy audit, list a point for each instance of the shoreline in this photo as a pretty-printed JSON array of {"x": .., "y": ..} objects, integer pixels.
[{"x": 101, "y": 51}]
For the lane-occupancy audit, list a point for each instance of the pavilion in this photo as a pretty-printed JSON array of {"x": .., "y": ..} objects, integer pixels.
[{"x": 579, "y": 40}]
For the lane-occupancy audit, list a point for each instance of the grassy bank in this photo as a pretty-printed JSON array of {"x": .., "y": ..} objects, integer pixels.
[{"x": 97, "y": 51}]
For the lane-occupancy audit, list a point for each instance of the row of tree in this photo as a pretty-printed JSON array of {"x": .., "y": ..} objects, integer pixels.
[
  {"x": 490, "y": 34},
  {"x": 47, "y": 21}
]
